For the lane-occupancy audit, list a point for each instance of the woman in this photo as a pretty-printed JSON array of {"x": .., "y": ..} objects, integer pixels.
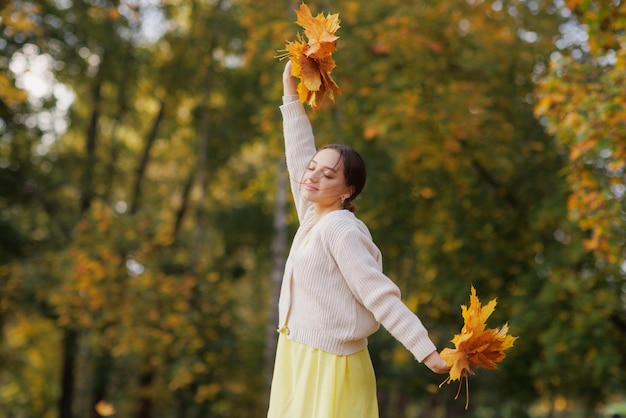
[{"x": 334, "y": 294}]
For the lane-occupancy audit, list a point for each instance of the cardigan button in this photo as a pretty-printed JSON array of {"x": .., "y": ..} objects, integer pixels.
[{"x": 281, "y": 329}]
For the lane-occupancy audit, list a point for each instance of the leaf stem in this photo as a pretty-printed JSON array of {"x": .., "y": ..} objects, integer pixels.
[
  {"x": 466, "y": 393},
  {"x": 283, "y": 53},
  {"x": 458, "y": 392}
]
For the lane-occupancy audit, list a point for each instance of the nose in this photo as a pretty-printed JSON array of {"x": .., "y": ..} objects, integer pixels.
[{"x": 314, "y": 176}]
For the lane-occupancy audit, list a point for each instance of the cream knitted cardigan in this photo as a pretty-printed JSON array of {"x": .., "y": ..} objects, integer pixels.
[{"x": 334, "y": 294}]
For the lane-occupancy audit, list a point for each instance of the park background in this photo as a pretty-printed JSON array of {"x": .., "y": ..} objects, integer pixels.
[{"x": 145, "y": 216}]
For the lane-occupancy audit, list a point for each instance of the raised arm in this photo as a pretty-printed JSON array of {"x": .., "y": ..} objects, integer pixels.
[{"x": 299, "y": 139}]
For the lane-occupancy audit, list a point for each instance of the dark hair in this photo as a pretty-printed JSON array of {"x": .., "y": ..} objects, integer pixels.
[{"x": 353, "y": 171}]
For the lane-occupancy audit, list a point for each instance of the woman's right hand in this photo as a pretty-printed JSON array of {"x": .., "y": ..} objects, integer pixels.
[{"x": 289, "y": 81}]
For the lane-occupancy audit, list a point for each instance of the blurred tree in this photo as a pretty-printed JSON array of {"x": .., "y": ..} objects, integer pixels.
[
  {"x": 120, "y": 80},
  {"x": 582, "y": 103}
]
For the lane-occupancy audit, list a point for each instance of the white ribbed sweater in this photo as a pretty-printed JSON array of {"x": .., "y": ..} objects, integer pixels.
[{"x": 334, "y": 294}]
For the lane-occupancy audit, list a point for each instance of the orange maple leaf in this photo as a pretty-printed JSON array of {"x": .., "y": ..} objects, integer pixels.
[
  {"x": 311, "y": 58},
  {"x": 476, "y": 346}
]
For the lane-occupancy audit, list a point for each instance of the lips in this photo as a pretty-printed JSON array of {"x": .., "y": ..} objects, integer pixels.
[{"x": 310, "y": 187}]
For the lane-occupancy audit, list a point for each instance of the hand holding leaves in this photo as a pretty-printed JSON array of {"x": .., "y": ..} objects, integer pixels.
[{"x": 476, "y": 346}]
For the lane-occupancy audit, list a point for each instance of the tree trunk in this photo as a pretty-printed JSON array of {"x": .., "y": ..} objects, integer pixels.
[
  {"x": 279, "y": 248},
  {"x": 70, "y": 336},
  {"x": 145, "y": 399},
  {"x": 87, "y": 192},
  {"x": 180, "y": 215},
  {"x": 122, "y": 107},
  {"x": 102, "y": 372},
  {"x": 70, "y": 345},
  {"x": 145, "y": 156}
]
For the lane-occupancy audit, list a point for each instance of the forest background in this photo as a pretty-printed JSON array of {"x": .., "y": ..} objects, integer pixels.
[{"x": 144, "y": 216}]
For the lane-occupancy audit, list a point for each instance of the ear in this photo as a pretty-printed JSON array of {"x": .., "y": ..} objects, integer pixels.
[{"x": 349, "y": 192}]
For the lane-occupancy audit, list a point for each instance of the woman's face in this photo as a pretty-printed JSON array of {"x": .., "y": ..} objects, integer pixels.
[{"x": 323, "y": 182}]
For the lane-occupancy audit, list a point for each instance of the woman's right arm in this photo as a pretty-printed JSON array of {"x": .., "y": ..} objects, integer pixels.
[{"x": 299, "y": 139}]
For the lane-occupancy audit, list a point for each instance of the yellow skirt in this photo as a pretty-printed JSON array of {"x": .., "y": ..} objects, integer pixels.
[{"x": 311, "y": 383}]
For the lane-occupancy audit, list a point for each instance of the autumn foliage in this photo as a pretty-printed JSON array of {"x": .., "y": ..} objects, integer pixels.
[
  {"x": 592, "y": 135},
  {"x": 311, "y": 56},
  {"x": 476, "y": 346},
  {"x": 145, "y": 214}
]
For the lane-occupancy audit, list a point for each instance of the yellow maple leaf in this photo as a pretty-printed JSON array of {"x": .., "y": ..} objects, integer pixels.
[
  {"x": 476, "y": 346},
  {"x": 311, "y": 58}
]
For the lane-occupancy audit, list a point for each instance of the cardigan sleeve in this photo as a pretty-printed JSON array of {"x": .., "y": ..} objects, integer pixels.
[
  {"x": 299, "y": 147},
  {"x": 359, "y": 261}
]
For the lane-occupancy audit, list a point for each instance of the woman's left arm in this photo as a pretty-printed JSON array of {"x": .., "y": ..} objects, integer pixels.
[{"x": 358, "y": 259}]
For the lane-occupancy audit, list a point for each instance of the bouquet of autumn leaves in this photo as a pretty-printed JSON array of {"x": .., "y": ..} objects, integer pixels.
[
  {"x": 476, "y": 346},
  {"x": 311, "y": 56}
]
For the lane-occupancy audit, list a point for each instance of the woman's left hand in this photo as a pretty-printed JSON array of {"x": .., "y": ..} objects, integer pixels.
[{"x": 435, "y": 363}]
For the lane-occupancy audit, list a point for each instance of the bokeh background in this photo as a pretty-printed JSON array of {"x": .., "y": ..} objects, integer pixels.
[{"x": 145, "y": 216}]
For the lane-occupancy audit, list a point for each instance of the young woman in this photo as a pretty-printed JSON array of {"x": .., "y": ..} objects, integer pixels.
[{"x": 334, "y": 294}]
